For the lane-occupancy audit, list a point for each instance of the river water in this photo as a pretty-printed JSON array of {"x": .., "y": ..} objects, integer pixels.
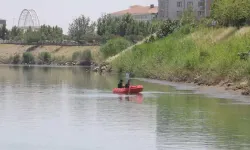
[{"x": 66, "y": 108}]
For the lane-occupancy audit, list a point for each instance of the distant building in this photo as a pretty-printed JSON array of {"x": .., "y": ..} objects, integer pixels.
[
  {"x": 172, "y": 9},
  {"x": 140, "y": 13},
  {"x": 2, "y": 22}
]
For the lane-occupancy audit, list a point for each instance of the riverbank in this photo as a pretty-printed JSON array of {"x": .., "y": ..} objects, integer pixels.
[
  {"x": 210, "y": 91},
  {"x": 215, "y": 57},
  {"x": 60, "y": 55}
]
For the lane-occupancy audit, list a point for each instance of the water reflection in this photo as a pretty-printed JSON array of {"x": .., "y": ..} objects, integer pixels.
[
  {"x": 134, "y": 98},
  {"x": 70, "y": 108}
]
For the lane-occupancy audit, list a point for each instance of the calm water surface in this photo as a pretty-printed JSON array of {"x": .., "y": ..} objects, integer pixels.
[{"x": 43, "y": 108}]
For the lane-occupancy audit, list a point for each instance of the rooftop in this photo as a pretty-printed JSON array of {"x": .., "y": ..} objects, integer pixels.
[{"x": 137, "y": 9}]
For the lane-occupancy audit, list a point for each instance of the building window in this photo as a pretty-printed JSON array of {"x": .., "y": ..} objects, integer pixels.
[
  {"x": 179, "y": 4},
  {"x": 201, "y": 4},
  {"x": 179, "y": 13},
  {"x": 190, "y": 4},
  {"x": 201, "y": 13}
]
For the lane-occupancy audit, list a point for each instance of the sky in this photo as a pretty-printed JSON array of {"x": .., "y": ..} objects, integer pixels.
[{"x": 62, "y": 12}]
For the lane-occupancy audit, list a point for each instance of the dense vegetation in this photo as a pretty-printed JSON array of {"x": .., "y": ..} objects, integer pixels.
[
  {"x": 43, "y": 34},
  {"x": 125, "y": 26},
  {"x": 115, "y": 46},
  {"x": 82, "y": 30},
  {"x": 231, "y": 12},
  {"x": 192, "y": 50},
  {"x": 193, "y": 57}
]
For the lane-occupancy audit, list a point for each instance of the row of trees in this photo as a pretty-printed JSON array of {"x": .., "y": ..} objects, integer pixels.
[
  {"x": 43, "y": 34},
  {"x": 82, "y": 30},
  {"x": 231, "y": 12},
  {"x": 108, "y": 27}
]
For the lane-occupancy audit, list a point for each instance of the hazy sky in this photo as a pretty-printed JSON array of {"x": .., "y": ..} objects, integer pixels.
[{"x": 62, "y": 12}]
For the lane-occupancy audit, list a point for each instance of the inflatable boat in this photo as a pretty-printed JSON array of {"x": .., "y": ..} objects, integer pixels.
[{"x": 135, "y": 89}]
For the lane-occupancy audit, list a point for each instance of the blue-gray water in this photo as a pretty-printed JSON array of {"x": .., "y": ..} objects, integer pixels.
[{"x": 43, "y": 108}]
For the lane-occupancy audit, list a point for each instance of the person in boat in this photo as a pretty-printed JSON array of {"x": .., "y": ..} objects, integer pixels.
[
  {"x": 128, "y": 84},
  {"x": 120, "y": 84}
]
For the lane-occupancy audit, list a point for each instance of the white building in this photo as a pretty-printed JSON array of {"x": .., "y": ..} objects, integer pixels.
[
  {"x": 140, "y": 13},
  {"x": 172, "y": 9}
]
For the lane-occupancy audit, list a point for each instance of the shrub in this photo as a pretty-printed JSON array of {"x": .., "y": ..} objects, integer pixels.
[
  {"x": 28, "y": 58},
  {"x": 134, "y": 38},
  {"x": 166, "y": 28},
  {"x": 45, "y": 57},
  {"x": 16, "y": 59},
  {"x": 114, "y": 46},
  {"x": 82, "y": 56}
]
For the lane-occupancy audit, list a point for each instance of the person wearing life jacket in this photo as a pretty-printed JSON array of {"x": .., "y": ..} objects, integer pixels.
[
  {"x": 128, "y": 84},
  {"x": 120, "y": 84}
]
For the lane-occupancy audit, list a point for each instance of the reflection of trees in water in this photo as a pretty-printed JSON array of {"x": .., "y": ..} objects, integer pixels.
[
  {"x": 203, "y": 121},
  {"x": 17, "y": 68}
]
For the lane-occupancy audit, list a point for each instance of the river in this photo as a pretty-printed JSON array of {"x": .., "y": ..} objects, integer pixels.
[{"x": 70, "y": 108}]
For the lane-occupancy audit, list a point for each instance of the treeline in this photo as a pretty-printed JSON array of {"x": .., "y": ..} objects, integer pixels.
[
  {"x": 125, "y": 26},
  {"x": 231, "y": 12},
  {"x": 83, "y": 30},
  {"x": 43, "y": 34}
]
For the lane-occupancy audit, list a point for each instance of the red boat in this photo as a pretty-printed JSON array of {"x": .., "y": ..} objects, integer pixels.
[{"x": 135, "y": 89}]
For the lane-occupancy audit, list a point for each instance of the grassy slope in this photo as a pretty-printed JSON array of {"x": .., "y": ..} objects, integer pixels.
[
  {"x": 206, "y": 56},
  {"x": 7, "y": 50}
]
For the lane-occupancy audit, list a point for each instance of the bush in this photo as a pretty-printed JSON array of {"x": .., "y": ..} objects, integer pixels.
[
  {"x": 16, "y": 59},
  {"x": 45, "y": 57},
  {"x": 115, "y": 46},
  {"x": 134, "y": 38},
  {"x": 28, "y": 58},
  {"x": 166, "y": 28},
  {"x": 82, "y": 56}
]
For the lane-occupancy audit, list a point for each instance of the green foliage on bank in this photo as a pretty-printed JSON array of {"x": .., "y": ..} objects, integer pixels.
[
  {"x": 28, "y": 58},
  {"x": 231, "y": 12},
  {"x": 82, "y": 56},
  {"x": 125, "y": 26},
  {"x": 207, "y": 54},
  {"x": 43, "y": 34},
  {"x": 44, "y": 58},
  {"x": 115, "y": 46}
]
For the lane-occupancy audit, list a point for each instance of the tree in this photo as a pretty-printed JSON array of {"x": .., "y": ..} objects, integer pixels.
[
  {"x": 114, "y": 46},
  {"x": 231, "y": 12},
  {"x": 125, "y": 26},
  {"x": 16, "y": 33},
  {"x": 31, "y": 36},
  {"x": 81, "y": 27},
  {"x": 3, "y": 32},
  {"x": 166, "y": 28}
]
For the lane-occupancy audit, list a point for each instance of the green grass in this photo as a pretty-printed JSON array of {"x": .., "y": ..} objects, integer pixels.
[{"x": 207, "y": 55}]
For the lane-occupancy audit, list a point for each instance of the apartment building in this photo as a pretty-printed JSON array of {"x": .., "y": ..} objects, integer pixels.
[
  {"x": 140, "y": 13},
  {"x": 2, "y": 22},
  {"x": 173, "y": 9}
]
